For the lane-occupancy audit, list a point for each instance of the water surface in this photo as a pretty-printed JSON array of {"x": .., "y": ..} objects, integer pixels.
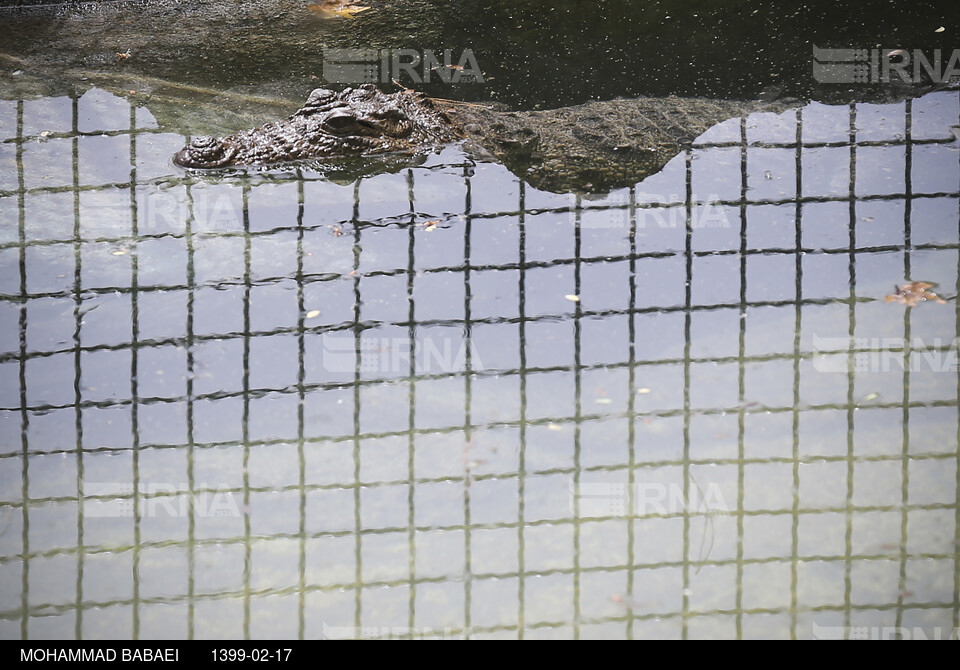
[{"x": 430, "y": 400}]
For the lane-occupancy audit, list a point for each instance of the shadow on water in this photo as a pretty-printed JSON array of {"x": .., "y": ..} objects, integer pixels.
[{"x": 434, "y": 401}]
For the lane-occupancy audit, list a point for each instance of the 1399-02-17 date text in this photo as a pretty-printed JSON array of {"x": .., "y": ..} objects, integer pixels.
[{"x": 242, "y": 655}]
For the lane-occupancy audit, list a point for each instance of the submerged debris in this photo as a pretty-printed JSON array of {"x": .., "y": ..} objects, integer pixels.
[{"x": 915, "y": 292}]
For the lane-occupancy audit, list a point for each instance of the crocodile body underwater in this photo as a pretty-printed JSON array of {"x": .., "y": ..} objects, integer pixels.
[{"x": 596, "y": 146}]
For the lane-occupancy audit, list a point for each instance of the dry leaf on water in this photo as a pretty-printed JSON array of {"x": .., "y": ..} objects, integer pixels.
[
  {"x": 915, "y": 292},
  {"x": 330, "y": 9}
]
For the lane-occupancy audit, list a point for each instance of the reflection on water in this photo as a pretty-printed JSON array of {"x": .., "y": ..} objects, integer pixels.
[{"x": 437, "y": 402}]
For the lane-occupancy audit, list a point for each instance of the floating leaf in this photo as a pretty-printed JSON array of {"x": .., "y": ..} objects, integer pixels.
[
  {"x": 350, "y": 11},
  {"x": 915, "y": 292},
  {"x": 332, "y": 9}
]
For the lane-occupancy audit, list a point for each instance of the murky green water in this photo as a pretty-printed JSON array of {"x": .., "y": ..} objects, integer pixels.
[{"x": 426, "y": 399}]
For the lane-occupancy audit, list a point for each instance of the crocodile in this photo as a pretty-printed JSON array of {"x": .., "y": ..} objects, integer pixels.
[{"x": 592, "y": 147}]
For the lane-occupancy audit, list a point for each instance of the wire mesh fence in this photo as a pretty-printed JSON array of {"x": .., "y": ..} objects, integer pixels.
[{"x": 439, "y": 403}]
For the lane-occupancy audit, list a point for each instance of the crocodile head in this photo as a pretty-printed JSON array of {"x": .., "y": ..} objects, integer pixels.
[{"x": 358, "y": 121}]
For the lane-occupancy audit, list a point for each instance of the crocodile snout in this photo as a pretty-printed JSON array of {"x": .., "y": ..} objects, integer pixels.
[{"x": 205, "y": 152}]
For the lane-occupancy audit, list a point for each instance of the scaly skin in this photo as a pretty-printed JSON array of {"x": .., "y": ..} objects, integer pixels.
[{"x": 593, "y": 147}]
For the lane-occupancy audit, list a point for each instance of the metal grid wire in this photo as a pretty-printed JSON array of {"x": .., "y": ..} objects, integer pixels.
[{"x": 382, "y": 501}]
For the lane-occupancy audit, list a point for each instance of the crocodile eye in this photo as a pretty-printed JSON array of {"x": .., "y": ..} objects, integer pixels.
[
  {"x": 339, "y": 123},
  {"x": 320, "y": 94}
]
